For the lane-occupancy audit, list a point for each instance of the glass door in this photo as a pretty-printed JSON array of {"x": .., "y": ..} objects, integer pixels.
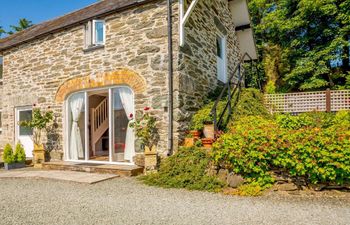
[
  {"x": 98, "y": 126},
  {"x": 24, "y": 134}
]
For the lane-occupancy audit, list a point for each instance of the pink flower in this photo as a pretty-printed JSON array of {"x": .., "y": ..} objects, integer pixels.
[
  {"x": 131, "y": 115},
  {"x": 147, "y": 108}
]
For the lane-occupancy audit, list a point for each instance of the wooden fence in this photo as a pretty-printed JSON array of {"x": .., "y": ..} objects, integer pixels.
[{"x": 326, "y": 101}]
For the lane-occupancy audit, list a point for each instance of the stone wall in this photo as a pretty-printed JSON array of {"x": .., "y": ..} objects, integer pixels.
[
  {"x": 197, "y": 59},
  {"x": 136, "y": 40}
]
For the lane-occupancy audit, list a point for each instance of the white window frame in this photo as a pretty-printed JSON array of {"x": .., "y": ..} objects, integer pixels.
[
  {"x": 90, "y": 34},
  {"x": 94, "y": 33}
]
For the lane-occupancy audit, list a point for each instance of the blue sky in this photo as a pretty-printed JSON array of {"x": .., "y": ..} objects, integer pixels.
[{"x": 36, "y": 10}]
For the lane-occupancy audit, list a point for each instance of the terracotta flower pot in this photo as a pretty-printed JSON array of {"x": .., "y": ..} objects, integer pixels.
[
  {"x": 209, "y": 131},
  {"x": 190, "y": 142},
  {"x": 207, "y": 142},
  {"x": 195, "y": 133}
]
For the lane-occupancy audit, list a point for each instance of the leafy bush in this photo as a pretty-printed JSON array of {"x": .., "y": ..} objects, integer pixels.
[
  {"x": 19, "y": 155},
  {"x": 314, "y": 147},
  {"x": 250, "y": 102},
  {"x": 186, "y": 169},
  {"x": 8, "y": 156}
]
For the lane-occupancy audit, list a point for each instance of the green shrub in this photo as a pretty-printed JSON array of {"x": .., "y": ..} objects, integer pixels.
[
  {"x": 250, "y": 190},
  {"x": 245, "y": 148},
  {"x": 186, "y": 169},
  {"x": 8, "y": 156},
  {"x": 314, "y": 147},
  {"x": 250, "y": 102},
  {"x": 19, "y": 155}
]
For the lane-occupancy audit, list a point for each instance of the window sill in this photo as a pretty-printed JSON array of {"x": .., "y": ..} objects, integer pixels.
[{"x": 93, "y": 48}]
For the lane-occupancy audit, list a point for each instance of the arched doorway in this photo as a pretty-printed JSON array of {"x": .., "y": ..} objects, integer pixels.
[{"x": 97, "y": 125}]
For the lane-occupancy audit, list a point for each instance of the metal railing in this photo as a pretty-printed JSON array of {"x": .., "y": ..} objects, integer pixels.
[{"x": 230, "y": 90}]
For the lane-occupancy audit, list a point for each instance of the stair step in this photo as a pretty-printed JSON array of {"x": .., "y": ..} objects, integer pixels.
[{"x": 121, "y": 170}]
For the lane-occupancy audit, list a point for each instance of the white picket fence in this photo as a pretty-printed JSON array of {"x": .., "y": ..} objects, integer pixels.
[{"x": 324, "y": 101}]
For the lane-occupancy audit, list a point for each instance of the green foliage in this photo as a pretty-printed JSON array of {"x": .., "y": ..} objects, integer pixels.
[
  {"x": 250, "y": 190},
  {"x": 202, "y": 116},
  {"x": 22, "y": 25},
  {"x": 186, "y": 169},
  {"x": 304, "y": 44},
  {"x": 313, "y": 119},
  {"x": 312, "y": 146},
  {"x": 39, "y": 121},
  {"x": 19, "y": 155},
  {"x": 8, "y": 156},
  {"x": 250, "y": 102},
  {"x": 145, "y": 128}
]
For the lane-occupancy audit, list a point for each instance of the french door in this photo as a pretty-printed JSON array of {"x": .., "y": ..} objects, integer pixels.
[{"x": 98, "y": 126}]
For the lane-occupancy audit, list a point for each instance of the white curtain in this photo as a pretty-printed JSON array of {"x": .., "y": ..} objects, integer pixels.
[
  {"x": 127, "y": 100},
  {"x": 76, "y": 149}
]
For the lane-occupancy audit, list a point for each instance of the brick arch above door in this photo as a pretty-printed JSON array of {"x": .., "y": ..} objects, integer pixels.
[{"x": 118, "y": 77}]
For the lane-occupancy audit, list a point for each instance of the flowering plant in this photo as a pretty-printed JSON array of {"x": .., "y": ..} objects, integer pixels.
[
  {"x": 145, "y": 128},
  {"x": 38, "y": 123}
]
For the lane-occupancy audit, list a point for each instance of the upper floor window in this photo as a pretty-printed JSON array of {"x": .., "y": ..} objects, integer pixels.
[
  {"x": 1, "y": 67},
  {"x": 95, "y": 33}
]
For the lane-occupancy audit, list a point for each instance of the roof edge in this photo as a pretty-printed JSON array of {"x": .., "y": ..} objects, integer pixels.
[{"x": 35, "y": 37}]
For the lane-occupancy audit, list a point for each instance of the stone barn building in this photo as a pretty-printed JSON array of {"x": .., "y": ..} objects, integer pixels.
[{"x": 97, "y": 67}]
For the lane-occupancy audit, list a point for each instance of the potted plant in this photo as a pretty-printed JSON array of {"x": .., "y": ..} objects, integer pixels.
[
  {"x": 207, "y": 142},
  {"x": 147, "y": 133},
  {"x": 202, "y": 121},
  {"x": 189, "y": 140},
  {"x": 14, "y": 160},
  {"x": 39, "y": 122}
]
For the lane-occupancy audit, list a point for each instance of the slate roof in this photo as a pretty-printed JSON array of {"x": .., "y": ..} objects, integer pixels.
[{"x": 90, "y": 12}]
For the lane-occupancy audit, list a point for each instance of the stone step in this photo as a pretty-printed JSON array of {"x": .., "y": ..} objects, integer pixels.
[{"x": 121, "y": 170}]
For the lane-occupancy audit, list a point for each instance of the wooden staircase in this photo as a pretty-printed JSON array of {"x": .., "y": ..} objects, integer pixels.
[{"x": 99, "y": 122}]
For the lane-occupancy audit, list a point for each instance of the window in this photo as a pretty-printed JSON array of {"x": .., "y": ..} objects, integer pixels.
[
  {"x": 1, "y": 67},
  {"x": 95, "y": 33}
]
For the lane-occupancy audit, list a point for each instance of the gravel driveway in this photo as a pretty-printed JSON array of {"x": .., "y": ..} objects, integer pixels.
[{"x": 127, "y": 201}]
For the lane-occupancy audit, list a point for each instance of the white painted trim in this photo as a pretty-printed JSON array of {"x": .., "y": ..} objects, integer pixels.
[
  {"x": 86, "y": 124},
  {"x": 110, "y": 123},
  {"x": 94, "y": 33},
  {"x": 184, "y": 16},
  {"x": 224, "y": 46}
]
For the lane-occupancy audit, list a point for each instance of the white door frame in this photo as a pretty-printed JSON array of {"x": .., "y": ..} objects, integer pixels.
[
  {"x": 223, "y": 40},
  {"x": 17, "y": 110},
  {"x": 66, "y": 127}
]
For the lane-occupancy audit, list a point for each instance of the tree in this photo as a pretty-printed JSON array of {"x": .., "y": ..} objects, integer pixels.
[
  {"x": 22, "y": 25},
  {"x": 2, "y": 31},
  {"x": 313, "y": 39}
]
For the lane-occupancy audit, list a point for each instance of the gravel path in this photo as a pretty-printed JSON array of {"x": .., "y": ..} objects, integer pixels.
[{"x": 127, "y": 201}]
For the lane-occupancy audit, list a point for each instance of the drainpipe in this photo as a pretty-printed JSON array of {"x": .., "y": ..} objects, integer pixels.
[{"x": 170, "y": 79}]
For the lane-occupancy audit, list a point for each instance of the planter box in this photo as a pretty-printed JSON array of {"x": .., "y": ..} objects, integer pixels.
[
  {"x": 56, "y": 156},
  {"x": 14, "y": 166},
  {"x": 209, "y": 131}
]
